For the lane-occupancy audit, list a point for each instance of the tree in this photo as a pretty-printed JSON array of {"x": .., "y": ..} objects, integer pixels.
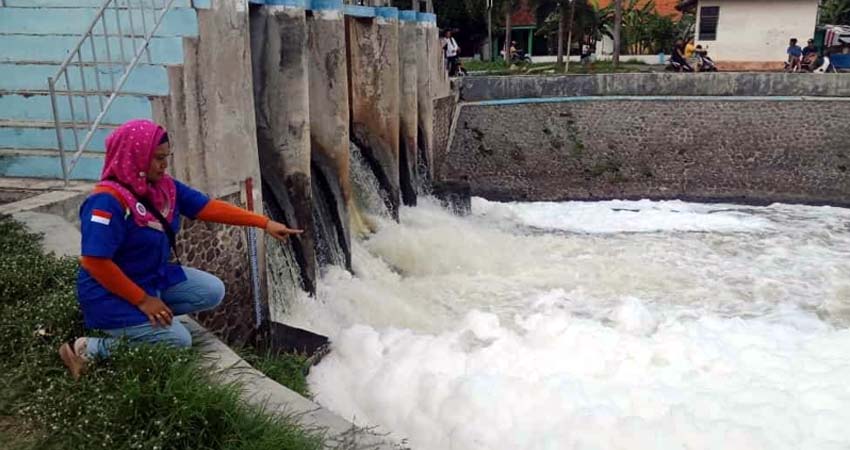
[
  {"x": 508, "y": 6},
  {"x": 618, "y": 23},
  {"x": 561, "y": 18},
  {"x": 835, "y": 12},
  {"x": 555, "y": 23}
]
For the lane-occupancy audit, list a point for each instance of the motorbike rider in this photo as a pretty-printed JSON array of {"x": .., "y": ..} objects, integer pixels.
[{"x": 678, "y": 57}]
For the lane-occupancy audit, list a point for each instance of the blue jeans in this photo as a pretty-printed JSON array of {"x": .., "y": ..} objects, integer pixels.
[{"x": 201, "y": 291}]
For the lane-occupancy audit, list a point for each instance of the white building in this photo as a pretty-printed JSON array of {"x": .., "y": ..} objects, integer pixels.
[{"x": 752, "y": 34}]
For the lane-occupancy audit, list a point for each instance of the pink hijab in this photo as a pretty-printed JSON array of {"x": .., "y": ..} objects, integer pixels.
[{"x": 129, "y": 151}]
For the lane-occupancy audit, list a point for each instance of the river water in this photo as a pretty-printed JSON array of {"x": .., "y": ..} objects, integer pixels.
[{"x": 607, "y": 325}]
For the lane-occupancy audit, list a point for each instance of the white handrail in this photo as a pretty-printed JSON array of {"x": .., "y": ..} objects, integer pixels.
[{"x": 75, "y": 57}]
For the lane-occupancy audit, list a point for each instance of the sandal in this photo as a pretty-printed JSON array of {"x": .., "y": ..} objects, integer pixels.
[{"x": 75, "y": 363}]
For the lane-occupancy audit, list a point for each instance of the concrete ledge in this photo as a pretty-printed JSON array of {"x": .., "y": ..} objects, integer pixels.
[
  {"x": 649, "y": 98},
  {"x": 325, "y": 4},
  {"x": 426, "y": 17},
  {"x": 387, "y": 12},
  {"x": 407, "y": 15},
  {"x": 55, "y": 198},
  {"x": 359, "y": 11},
  {"x": 261, "y": 391},
  {"x": 473, "y": 89},
  {"x": 304, "y": 4}
]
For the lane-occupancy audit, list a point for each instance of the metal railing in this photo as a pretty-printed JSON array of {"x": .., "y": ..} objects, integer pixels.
[{"x": 115, "y": 22}]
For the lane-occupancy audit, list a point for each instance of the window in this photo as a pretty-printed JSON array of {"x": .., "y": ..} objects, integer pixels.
[{"x": 708, "y": 17}]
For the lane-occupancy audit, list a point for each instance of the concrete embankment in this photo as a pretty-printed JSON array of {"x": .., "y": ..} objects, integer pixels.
[
  {"x": 473, "y": 89},
  {"x": 750, "y": 149}
]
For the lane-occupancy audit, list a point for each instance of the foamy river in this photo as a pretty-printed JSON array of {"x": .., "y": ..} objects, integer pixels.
[{"x": 608, "y": 325}]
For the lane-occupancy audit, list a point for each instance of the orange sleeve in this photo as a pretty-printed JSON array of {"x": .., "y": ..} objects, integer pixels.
[
  {"x": 113, "y": 279},
  {"x": 223, "y": 212}
]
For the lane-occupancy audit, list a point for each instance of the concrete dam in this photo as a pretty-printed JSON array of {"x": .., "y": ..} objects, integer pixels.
[{"x": 640, "y": 260}]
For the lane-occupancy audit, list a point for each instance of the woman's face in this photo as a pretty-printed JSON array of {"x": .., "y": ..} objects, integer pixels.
[{"x": 159, "y": 163}]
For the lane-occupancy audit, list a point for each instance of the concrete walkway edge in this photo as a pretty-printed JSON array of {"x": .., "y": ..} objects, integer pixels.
[{"x": 260, "y": 390}]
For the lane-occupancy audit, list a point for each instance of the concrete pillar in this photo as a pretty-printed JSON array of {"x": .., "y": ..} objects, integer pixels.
[
  {"x": 408, "y": 109},
  {"x": 329, "y": 135},
  {"x": 374, "y": 79},
  {"x": 426, "y": 28},
  {"x": 211, "y": 121},
  {"x": 279, "y": 57}
]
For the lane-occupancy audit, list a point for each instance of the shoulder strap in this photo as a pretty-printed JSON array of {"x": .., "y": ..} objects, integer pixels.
[
  {"x": 166, "y": 227},
  {"x": 113, "y": 193}
]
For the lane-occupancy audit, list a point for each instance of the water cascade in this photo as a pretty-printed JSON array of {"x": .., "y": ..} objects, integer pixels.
[{"x": 604, "y": 325}]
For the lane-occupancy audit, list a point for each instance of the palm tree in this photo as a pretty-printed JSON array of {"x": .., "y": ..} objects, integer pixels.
[
  {"x": 507, "y": 7},
  {"x": 618, "y": 24}
]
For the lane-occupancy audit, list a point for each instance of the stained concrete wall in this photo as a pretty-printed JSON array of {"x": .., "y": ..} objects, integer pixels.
[
  {"x": 210, "y": 115},
  {"x": 426, "y": 87},
  {"x": 444, "y": 111},
  {"x": 211, "y": 123},
  {"x": 706, "y": 149},
  {"x": 408, "y": 108},
  {"x": 373, "y": 58},
  {"x": 473, "y": 89},
  {"x": 329, "y": 115},
  {"x": 281, "y": 88}
]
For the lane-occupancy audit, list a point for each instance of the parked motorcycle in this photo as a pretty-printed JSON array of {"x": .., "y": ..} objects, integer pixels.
[
  {"x": 705, "y": 63},
  {"x": 520, "y": 57}
]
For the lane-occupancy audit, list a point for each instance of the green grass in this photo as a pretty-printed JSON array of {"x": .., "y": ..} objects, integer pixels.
[
  {"x": 147, "y": 397},
  {"x": 287, "y": 369}
]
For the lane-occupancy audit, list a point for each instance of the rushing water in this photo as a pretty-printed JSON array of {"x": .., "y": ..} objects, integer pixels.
[{"x": 610, "y": 325}]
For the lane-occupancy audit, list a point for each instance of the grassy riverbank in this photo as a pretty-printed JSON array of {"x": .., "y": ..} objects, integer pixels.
[{"x": 143, "y": 398}]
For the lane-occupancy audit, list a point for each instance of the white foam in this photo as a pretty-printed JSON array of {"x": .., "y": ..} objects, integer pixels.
[
  {"x": 479, "y": 333},
  {"x": 623, "y": 216}
]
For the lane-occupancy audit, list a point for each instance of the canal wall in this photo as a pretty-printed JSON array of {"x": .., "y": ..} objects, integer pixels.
[
  {"x": 736, "y": 149},
  {"x": 474, "y": 89}
]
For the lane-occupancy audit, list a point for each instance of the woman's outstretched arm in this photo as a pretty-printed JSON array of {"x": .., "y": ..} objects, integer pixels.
[{"x": 222, "y": 212}]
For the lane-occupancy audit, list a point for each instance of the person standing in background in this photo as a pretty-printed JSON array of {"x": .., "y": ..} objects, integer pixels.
[
  {"x": 690, "y": 57},
  {"x": 451, "y": 50}
]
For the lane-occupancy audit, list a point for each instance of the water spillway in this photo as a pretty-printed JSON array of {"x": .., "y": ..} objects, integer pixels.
[
  {"x": 624, "y": 324},
  {"x": 593, "y": 325},
  {"x": 327, "y": 76}
]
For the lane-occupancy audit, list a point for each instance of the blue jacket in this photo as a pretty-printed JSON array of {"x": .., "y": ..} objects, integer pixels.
[{"x": 142, "y": 253}]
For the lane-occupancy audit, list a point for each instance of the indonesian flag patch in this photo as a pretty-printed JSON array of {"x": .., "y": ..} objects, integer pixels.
[{"x": 101, "y": 217}]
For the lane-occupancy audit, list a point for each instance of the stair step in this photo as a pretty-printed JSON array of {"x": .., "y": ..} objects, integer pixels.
[
  {"x": 73, "y": 21},
  {"x": 53, "y": 49},
  {"x": 43, "y": 165},
  {"x": 36, "y": 107},
  {"x": 42, "y": 136},
  {"x": 145, "y": 79},
  {"x": 84, "y": 3}
]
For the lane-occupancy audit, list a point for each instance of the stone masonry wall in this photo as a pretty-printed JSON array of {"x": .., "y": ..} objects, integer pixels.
[
  {"x": 223, "y": 251},
  {"x": 473, "y": 89},
  {"x": 752, "y": 151},
  {"x": 444, "y": 109}
]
